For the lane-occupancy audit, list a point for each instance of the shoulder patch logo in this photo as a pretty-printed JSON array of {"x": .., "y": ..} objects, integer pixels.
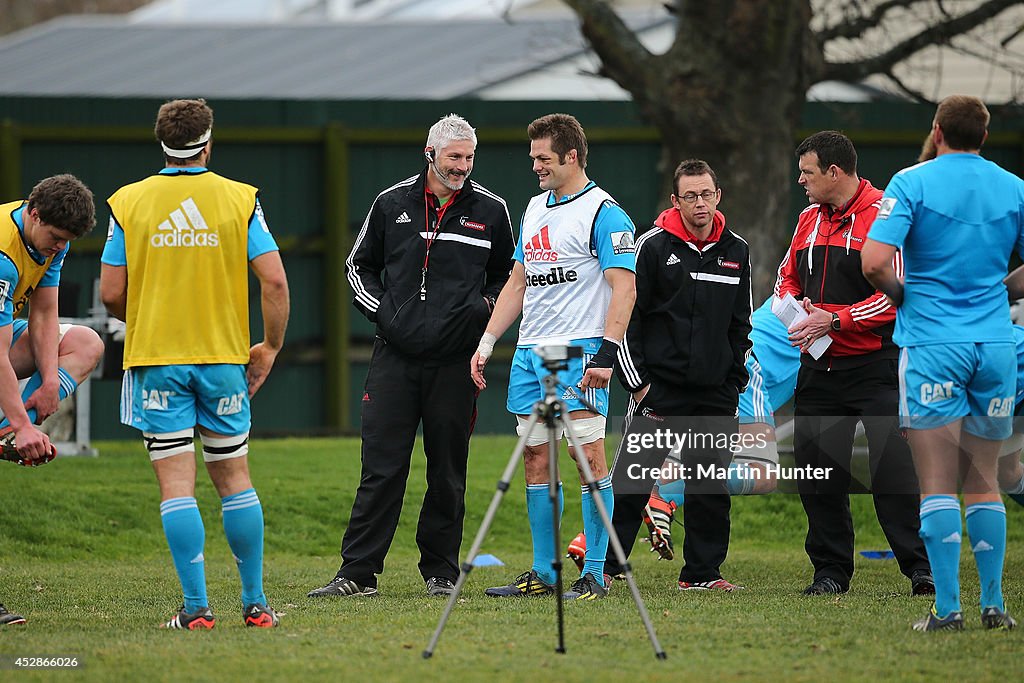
[
  {"x": 886, "y": 207},
  {"x": 622, "y": 242}
]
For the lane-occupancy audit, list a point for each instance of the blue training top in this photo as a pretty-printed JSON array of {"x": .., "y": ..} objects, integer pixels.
[
  {"x": 957, "y": 218},
  {"x": 778, "y": 358}
]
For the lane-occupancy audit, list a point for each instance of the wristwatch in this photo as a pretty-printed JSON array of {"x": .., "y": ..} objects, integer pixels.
[{"x": 835, "y": 321}]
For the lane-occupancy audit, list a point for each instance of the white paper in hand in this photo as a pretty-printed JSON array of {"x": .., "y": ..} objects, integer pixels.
[{"x": 790, "y": 312}]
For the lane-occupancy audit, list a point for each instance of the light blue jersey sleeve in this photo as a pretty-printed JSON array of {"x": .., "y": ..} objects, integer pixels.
[
  {"x": 518, "y": 254},
  {"x": 896, "y": 212},
  {"x": 8, "y": 283},
  {"x": 613, "y": 238},
  {"x": 113, "y": 250},
  {"x": 260, "y": 239}
]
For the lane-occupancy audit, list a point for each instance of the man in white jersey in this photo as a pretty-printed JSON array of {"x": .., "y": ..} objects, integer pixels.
[{"x": 573, "y": 281}]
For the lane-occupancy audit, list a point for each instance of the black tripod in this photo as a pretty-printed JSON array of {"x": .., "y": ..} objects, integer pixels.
[{"x": 550, "y": 412}]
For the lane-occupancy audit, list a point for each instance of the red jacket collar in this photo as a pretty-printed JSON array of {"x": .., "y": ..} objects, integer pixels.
[
  {"x": 865, "y": 196},
  {"x": 670, "y": 221}
]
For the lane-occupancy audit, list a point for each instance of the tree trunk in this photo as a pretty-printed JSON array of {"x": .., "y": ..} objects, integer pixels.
[
  {"x": 738, "y": 107},
  {"x": 729, "y": 91}
]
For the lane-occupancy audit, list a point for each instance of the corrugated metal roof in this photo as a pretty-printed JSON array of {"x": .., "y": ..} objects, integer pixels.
[{"x": 112, "y": 57}]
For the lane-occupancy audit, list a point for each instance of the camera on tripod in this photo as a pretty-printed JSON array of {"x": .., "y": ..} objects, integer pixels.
[{"x": 556, "y": 356}]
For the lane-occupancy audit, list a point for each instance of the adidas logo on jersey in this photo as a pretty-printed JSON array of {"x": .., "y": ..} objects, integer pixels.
[
  {"x": 404, "y": 218},
  {"x": 185, "y": 227},
  {"x": 539, "y": 248},
  {"x": 672, "y": 260},
  {"x": 570, "y": 394}
]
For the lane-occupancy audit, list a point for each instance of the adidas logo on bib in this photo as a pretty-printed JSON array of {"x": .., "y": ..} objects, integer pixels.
[{"x": 185, "y": 227}]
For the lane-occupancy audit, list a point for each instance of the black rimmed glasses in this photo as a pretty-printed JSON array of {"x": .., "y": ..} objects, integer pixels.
[{"x": 691, "y": 197}]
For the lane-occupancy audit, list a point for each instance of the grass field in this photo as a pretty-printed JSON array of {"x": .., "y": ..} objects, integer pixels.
[{"x": 82, "y": 555}]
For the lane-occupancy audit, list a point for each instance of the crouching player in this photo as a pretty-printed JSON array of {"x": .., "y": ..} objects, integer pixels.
[
  {"x": 34, "y": 239},
  {"x": 773, "y": 367}
]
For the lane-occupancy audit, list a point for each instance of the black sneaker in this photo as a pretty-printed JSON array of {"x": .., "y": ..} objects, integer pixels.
[
  {"x": 954, "y": 621},
  {"x": 200, "y": 620},
  {"x": 922, "y": 583},
  {"x": 346, "y": 588},
  {"x": 586, "y": 588},
  {"x": 995, "y": 619},
  {"x": 260, "y": 616},
  {"x": 438, "y": 586},
  {"x": 824, "y": 586},
  {"x": 527, "y": 584},
  {"x": 9, "y": 619}
]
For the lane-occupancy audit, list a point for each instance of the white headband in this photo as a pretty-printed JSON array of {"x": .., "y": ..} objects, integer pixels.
[{"x": 190, "y": 148}]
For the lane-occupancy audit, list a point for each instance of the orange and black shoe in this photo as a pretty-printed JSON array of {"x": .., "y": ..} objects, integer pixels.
[
  {"x": 9, "y": 450},
  {"x": 658, "y": 518},
  {"x": 10, "y": 619},
  {"x": 577, "y": 550},
  {"x": 260, "y": 616},
  {"x": 200, "y": 620}
]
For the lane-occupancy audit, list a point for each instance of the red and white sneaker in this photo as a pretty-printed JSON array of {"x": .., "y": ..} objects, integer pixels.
[
  {"x": 577, "y": 550},
  {"x": 716, "y": 585}
]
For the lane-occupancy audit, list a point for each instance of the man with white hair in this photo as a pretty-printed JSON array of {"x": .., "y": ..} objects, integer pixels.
[{"x": 426, "y": 268}]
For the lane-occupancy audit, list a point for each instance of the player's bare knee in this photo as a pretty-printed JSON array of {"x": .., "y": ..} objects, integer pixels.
[{"x": 80, "y": 350}]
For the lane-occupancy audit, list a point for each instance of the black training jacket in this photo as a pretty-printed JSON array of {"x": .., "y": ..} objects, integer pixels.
[
  {"x": 691, "y": 321},
  {"x": 470, "y": 259}
]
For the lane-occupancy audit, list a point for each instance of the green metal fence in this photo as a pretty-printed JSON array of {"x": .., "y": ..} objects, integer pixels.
[{"x": 320, "y": 164}]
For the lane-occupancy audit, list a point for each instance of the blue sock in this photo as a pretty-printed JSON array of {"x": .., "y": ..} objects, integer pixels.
[
  {"x": 538, "y": 509},
  {"x": 940, "y": 530},
  {"x": 66, "y": 388},
  {"x": 740, "y": 482},
  {"x": 986, "y": 527},
  {"x": 672, "y": 492},
  {"x": 243, "y": 526},
  {"x": 186, "y": 536},
  {"x": 593, "y": 528}
]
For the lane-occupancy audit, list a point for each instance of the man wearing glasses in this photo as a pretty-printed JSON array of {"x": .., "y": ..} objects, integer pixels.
[{"x": 683, "y": 362}]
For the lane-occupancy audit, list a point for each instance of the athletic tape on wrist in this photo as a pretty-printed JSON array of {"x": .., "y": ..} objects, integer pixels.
[{"x": 486, "y": 346}]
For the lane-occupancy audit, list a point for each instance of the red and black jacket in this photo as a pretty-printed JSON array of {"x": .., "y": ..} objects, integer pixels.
[{"x": 823, "y": 264}]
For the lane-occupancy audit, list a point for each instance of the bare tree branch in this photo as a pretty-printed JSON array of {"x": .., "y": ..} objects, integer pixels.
[
  {"x": 936, "y": 34},
  {"x": 623, "y": 57},
  {"x": 916, "y": 94},
  {"x": 855, "y": 28}
]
